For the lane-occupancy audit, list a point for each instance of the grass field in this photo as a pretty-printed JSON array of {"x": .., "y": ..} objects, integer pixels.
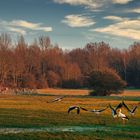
[
  {"x": 52, "y": 91},
  {"x": 30, "y": 117}
]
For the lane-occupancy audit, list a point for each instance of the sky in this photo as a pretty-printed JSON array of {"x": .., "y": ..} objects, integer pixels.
[{"x": 73, "y": 23}]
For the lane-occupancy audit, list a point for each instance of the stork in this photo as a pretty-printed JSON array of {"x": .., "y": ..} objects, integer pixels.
[
  {"x": 98, "y": 111},
  {"x": 56, "y": 100},
  {"x": 77, "y": 108},
  {"x": 122, "y": 116},
  {"x": 114, "y": 110}
]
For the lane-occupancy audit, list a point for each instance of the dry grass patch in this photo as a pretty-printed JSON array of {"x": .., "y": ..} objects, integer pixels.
[
  {"x": 52, "y": 91},
  {"x": 63, "y": 91},
  {"x": 130, "y": 93}
]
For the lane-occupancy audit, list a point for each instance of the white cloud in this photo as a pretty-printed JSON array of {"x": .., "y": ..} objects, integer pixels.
[
  {"x": 25, "y": 24},
  {"x": 30, "y": 25},
  {"x": 92, "y": 4},
  {"x": 136, "y": 10},
  {"x": 17, "y": 30},
  {"x": 114, "y": 18},
  {"x": 121, "y": 1},
  {"x": 78, "y": 21},
  {"x": 20, "y": 26},
  {"x": 46, "y": 29},
  {"x": 126, "y": 28}
]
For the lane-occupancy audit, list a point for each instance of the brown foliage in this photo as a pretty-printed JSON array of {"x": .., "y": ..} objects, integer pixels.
[{"x": 42, "y": 64}]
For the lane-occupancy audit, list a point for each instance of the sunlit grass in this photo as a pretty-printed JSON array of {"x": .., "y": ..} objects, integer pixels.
[{"x": 52, "y": 91}]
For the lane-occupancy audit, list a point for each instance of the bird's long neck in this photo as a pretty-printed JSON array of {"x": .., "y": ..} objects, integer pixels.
[{"x": 120, "y": 111}]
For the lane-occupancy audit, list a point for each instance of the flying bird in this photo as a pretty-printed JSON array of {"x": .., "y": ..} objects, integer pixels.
[
  {"x": 114, "y": 110},
  {"x": 56, "y": 100},
  {"x": 131, "y": 111},
  {"x": 122, "y": 116},
  {"x": 98, "y": 111},
  {"x": 76, "y": 108}
]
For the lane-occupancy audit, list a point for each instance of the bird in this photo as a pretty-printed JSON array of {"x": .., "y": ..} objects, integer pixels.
[
  {"x": 114, "y": 110},
  {"x": 98, "y": 111},
  {"x": 131, "y": 111},
  {"x": 56, "y": 100},
  {"x": 122, "y": 116},
  {"x": 77, "y": 108}
]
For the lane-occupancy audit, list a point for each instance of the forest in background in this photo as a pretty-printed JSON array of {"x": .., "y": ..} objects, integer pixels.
[{"x": 42, "y": 64}]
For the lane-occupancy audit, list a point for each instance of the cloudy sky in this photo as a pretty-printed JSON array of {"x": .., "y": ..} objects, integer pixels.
[{"x": 73, "y": 23}]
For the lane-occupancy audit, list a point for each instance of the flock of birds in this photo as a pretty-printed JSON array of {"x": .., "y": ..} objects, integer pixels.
[{"x": 116, "y": 111}]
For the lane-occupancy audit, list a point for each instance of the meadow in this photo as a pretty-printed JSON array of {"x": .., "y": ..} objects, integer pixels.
[
  {"x": 57, "y": 91},
  {"x": 30, "y": 117}
]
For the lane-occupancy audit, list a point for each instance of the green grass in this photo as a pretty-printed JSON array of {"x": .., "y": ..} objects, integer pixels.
[
  {"x": 98, "y": 135},
  {"x": 33, "y": 112}
]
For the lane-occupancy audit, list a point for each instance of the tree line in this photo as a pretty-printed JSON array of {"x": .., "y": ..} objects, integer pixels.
[{"x": 42, "y": 64}]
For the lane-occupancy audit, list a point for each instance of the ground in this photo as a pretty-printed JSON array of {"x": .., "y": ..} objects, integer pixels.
[
  {"x": 52, "y": 91},
  {"x": 30, "y": 117}
]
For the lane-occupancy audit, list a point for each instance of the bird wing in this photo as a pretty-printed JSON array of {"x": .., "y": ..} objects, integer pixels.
[
  {"x": 114, "y": 113},
  {"x": 118, "y": 106},
  {"x": 92, "y": 110},
  {"x": 101, "y": 110},
  {"x": 111, "y": 107},
  {"x": 83, "y": 109},
  {"x": 57, "y": 99},
  {"x": 71, "y": 108},
  {"x": 126, "y": 106},
  {"x": 134, "y": 109}
]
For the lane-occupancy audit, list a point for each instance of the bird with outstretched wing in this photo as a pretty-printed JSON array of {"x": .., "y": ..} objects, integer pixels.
[
  {"x": 56, "y": 99},
  {"x": 75, "y": 107},
  {"x": 131, "y": 111},
  {"x": 114, "y": 110},
  {"x": 98, "y": 111}
]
